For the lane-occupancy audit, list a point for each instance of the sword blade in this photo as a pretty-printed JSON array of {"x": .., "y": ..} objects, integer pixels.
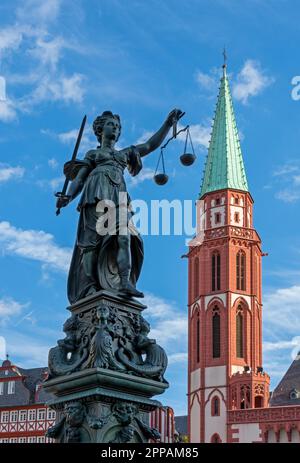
[{"x": 74, "y": 155}]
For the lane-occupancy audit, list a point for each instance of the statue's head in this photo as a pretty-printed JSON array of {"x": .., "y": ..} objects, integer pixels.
[{"x": 108, "y": 126}]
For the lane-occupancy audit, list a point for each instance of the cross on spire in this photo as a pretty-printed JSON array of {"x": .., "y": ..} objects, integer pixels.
[{"x": 225, "y": 58}]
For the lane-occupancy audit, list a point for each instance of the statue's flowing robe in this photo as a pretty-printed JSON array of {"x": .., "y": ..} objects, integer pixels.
[{"x": 104, "y": 182}]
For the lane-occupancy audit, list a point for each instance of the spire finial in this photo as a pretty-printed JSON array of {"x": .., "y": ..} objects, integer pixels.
[
  {"x": 7, "y": 356},
  {"x": 225, "y": 60}
]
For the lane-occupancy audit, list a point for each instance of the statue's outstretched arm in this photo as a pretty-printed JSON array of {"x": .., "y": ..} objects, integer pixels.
[{"x": 156, "y": 140}]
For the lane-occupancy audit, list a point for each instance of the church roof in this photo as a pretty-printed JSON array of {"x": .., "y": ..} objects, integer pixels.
[
  {"x": 288, "y": 390},
  {"x": 224, "y": 166}
]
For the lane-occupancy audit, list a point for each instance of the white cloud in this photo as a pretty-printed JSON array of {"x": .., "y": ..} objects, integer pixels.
[
  {"x": 7, "y": 110},
  {"x": 209, "y": 81},
  {"x": 168, "y": 324},
  {"x": 48, "y": 52},
  {"x": 144, "y": 137},
  {"x": 282, "y": 309},
  {"x": 10, "y": 173},
  {"x": 285, "y": 169},
  {"x": 37, "y": 11},
  {"x": 63, "y": 88},
  {"x": 145, "y": 174},
  {"x": 10, "y": 38},
  {"x": 286, "y": 179},
  {"x": 35, "y": 245},
  {"x": 30, "y": 351},
  {"x": 54, "y": 183},
  {"x": 9, "y": 308},
  {"x": 52, "y": 163},
  {"x": 3, "y": 350},
  {"x": 31, "y": 38},
  {"x": 251, "y": 81},
  {"x": 88, "y": 140},
  {"x": 178, "y": 358},
  {"x": 200, "y": 134},
  {"x": 288, "y": 195},
  {"x": 282, "y": 345}
]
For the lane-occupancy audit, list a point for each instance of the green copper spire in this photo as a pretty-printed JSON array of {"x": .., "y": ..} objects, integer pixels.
[{"x": 224, "y": 165}]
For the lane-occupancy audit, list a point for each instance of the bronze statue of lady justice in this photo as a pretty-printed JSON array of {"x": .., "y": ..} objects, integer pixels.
[{"x": 111, "y": 262}]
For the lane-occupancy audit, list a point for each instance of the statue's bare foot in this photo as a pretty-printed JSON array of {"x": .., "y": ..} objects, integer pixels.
[{"x": 128, "y": 289}]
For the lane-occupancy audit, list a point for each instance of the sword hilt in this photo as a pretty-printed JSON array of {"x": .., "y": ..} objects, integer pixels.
[{"x": 60, "y": 194}]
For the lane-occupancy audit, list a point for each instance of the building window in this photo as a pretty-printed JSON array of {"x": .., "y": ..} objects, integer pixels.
[
  {"x": 41, "y": 414},
  {"x": 14, "y": 416},
  {"x": 241, "y": 271},
  {"x": 4, "y": 417},
  {"x": 217, "y": 217},
  {"x": 41, "y": 439},
  {"x": 258, "y": 401},
  {"x": 216, "y": 439},
  {"x": 51, "y": 414},
  {"x": 236, "y": 200},
  {"x": 11, "y": 387},
  {"x": 1, "y": 388},
  {"x": 196, "y": 276},
  {"x": 239, "y": 333},
  {"x": 32, "y": 440},
  {"x": 216, "y": 272},
  {"x": 294, "y": 394},
  {"x": 198, "y": 339},
  {"x": 215, "y": 406},
  {"x": 236, "y": 217},
  {"x": 216, "y": 333},
  {"x": 31, "y": 415},
  {"x": 13, "y": 440},
  {"x": 218, "y": 202},
  {"x": 23, "y": 415},
  {"x": 22, "y": 440}
]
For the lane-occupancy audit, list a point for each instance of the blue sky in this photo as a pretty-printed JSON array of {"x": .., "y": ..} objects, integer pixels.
[{"x": 61, "y": 59}]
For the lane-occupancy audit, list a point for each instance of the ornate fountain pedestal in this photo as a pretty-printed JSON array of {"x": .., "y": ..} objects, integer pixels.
[{"x": 104, "y": 373}]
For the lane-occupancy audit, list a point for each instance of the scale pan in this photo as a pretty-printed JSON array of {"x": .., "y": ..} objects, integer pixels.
[
  {"x": 160, "y": 179},
  {"x": 187, "y": 159}
]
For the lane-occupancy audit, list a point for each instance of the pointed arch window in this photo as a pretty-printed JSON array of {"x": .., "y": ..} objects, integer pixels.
[
  {"x": 241, "y": 271},
  {"x": 198, "y": 339},
  {"x": 216, "y": 333},
  {"x": 216, "y": 439},
  {"x": 215, "y": 406},
  {"x": 216, "y": 271},
  {"x": 196, "y": 276},
  {"x": 239, "y": 333}
]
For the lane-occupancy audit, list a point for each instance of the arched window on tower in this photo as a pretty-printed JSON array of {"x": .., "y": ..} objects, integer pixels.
[
  {"x": 216, "y": 333},
  {"x": 196, "y": 276},
  {"x": 198, "y": 339},
  {"x": 215, "y": 406},
  {"x": 239, "y": 333},
  {"x": 241, "y": 271},
  {"x": 216, "y": 439},
  {"x": 216, "y": 272}
]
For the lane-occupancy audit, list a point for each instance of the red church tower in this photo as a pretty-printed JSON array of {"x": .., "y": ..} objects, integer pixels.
[{"x": 225, "y": 297}]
